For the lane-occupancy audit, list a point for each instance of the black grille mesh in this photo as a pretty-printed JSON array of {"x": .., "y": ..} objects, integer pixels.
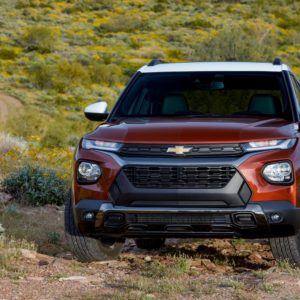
[
  {"x": 171, "y": 177},
  {"x": 179, "y": 219}
]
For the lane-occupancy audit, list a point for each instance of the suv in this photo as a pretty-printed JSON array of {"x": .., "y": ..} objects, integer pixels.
[{"x": 203, "y": 150}]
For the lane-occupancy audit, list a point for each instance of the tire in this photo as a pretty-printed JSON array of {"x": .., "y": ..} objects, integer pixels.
[
  {"x": 150, "y": 244},
  {"x": 87, "y": 249},
  {"x": 286, "y": 248}
]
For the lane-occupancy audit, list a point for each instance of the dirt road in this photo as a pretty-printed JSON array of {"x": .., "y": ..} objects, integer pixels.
[{"x": 8, "y": 105}]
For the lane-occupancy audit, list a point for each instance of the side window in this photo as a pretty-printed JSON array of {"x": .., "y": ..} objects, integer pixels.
[{"x": 296, "y": 88}]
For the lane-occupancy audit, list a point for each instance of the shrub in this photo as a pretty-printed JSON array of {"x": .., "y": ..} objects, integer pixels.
[
  {"x": 41, "y": 75},
  {"x": 123, "y": 23},
  {"x": 106, "y": 74},
  {"x": 55, "y": 136},
  {"x": 7, "y": 53},
  {"x": 29, "y": 122},
  {"x": 238, "y": 43},
  {"x": 60, "y": 76},
  {"x": 33, "y": 3},
  {"x": 40, "y": 38},
  {"x": 198, "y": 23},
  {"x": 68, "y": 74},
  {"x": 36, "y": 186}
]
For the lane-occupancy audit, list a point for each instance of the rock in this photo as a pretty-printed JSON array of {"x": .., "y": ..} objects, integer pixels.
[
  {"x": 223, "y": 269},
  {"x": 35, "y": 278},
  {"x": 106, "y": 262},
  {"x": 73, "y": 278},
  {"x": 242, "y": 269},
  {"x": 43, "y": 263},
  {"x": 208, "y": 264},
  {"x": 255, "y": 257},
  {"x": 5, "y": 198},
  {"x": 30, "y": 254},
  {"x": 147, "y": 258},
  {"x": 226, "y": 252}
]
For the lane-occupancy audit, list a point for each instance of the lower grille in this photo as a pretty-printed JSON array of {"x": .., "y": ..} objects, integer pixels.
[
  {"x": 171, "y": 177},
  {"x": 178, "y": 219}
]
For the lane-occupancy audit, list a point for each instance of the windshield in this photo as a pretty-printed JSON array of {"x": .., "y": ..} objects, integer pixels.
[{"x": 210, "y": 94}]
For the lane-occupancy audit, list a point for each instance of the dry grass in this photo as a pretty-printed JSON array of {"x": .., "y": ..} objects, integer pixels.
[
  {"x": 42, "y": 226},
  {"x": 10, "y": 254}
]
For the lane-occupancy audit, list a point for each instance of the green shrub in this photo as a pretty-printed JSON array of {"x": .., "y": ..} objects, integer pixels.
[
  {"x": 41, "y": 75},
  {"x": 237, "y": 43},
  {"x": 68, "y": 74},
  {"x": 198, "y": 23},
  {"x": 123, "y": 23},
  {"x": 40, "y": 38},
  {"x": 106, "y": 74},
  {"x": 33, "y": 3},
  {"x": 55, "y": 136},
  {"x": 90, "y": 5},
  {"x": 36, "y": 186},
  {"x": 54, "y": 237},
  {"x": 7, "y": 53},
  {"x": 61, "y": 76}
]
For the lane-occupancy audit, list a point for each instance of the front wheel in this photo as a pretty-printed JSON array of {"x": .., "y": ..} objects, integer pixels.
[
  {"x": 88, "y": 249},
  {"x": 286, "y": 248}
]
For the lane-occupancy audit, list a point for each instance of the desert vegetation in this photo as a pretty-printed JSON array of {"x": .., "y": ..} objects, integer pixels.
[{"x": 58, "y": 56}]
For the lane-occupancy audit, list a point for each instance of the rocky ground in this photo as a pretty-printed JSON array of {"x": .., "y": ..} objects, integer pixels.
[{"x": 35, "y": 263}]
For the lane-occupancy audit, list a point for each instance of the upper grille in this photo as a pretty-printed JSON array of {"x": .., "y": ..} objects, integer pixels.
[
  {"x": 196, "y": 151},
  {"x": 171, "y": 177}
]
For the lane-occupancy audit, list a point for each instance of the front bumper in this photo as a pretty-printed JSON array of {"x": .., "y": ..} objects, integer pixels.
[{"x": 251, "y": 221}]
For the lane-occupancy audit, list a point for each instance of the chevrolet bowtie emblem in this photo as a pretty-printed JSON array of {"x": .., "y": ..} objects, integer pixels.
[{"x": 179, "y": 150}]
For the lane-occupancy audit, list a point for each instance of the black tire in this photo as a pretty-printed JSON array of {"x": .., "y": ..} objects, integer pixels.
[
  {"x": 286, "y": 248},
  {"x": 150, "y": 244},
  {"x": 87, "y": 249}
]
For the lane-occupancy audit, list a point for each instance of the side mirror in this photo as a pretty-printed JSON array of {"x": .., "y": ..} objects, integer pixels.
[{"x": 96, "y": 111}]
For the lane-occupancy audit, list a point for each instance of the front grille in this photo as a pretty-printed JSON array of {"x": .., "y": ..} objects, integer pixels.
[
  {"x": 178, "y": 219},
  {"x": 194, "y": 150},
  {"x": 170, "y": 177}
]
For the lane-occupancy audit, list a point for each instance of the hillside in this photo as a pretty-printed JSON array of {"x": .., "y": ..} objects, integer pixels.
[{"x": 58, "y": 56}]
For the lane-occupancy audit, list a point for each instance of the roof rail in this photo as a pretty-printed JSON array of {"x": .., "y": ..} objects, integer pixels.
[
  {"x": 155, "y": 62},
  {"x": 277, "y": 62}
]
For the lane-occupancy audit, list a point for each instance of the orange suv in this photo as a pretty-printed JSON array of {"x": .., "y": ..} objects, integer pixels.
[{"x": 204, "y": 150}]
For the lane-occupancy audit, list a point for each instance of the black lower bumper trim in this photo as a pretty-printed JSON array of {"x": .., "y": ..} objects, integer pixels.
[{"x": 255, "y": 220}]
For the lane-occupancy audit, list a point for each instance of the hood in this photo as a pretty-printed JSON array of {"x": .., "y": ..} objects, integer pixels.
[{"x": 194, "y": 131}]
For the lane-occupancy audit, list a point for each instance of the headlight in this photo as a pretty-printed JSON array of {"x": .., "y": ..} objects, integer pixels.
[
  {"x": 269, "y": 145},
  {"x": 88, "y": 172},
  {"x": 280, "y": 172},
  {"x": 100, "y": 145}
]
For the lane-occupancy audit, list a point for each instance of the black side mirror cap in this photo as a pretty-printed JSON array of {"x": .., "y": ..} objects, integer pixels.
[{"x": 95, "y": 116}]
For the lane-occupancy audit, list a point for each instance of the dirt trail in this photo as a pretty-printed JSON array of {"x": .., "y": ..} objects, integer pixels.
[
  {"x": 183, "y": 269},
  {"x": 8, "y": 104}
]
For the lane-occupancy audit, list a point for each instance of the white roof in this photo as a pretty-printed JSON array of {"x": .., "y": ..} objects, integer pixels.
[{"x": 215, "y": 67}]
